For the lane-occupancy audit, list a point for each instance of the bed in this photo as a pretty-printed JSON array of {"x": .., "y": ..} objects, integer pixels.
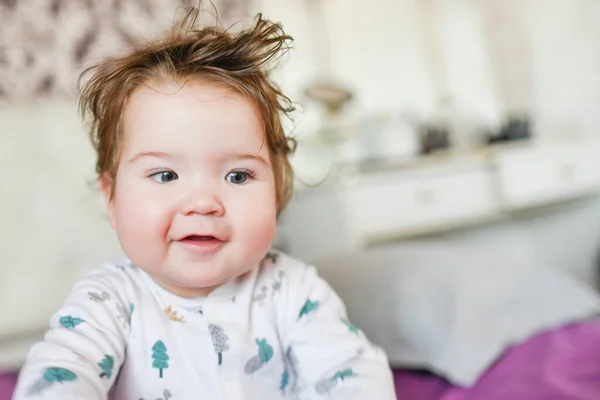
[
  {"x": 7, "y": 385},
  {"x": 458, "y": 324},
  {"x": 561, "y": 364}
]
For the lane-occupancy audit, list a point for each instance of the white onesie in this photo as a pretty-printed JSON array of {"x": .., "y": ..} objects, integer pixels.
[{"x": 279, "y": 331}]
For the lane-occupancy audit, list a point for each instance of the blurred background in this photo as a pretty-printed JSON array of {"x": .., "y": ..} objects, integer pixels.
[{"x": 468, "y": 125}]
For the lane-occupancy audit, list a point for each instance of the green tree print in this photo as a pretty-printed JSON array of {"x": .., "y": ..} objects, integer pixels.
[
  {"x": 219, "y": 340},
  {"x": 326, "y": 385},
  {"x": 289, "y": 377},
  {"x": 50, "y": 377},
  {"x": 308, "y": 307},
  {"x": 351, "y": 328},
  {"x": 106, "y": 365},
  {"x": 340, "y": 375},
  {"x": 285, "y": 380},
  {"x": 56, "y": 374},
  {"x": 160, "y": 356},
  {"x": 265, "y": 353},
  {"x": 70, "y": 322},
  {"x": 272, "y": 256},
  {"x": 265, "y": 350}
]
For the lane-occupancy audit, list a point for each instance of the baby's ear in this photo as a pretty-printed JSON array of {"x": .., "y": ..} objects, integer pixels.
[{"x": 106, "y": 184}]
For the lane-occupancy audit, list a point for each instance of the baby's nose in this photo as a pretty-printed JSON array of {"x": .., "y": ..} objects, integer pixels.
[{"x": 204, "y": 202}]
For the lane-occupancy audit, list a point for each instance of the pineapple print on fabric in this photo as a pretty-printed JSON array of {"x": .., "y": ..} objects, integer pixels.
[
  {"x": 308, "y": 308},
  {"x": 265, "y": 353},
  {"x": 80, "y": 359},
  {"x": 219, "y": 340},
  {"x": 327, "y": 385},
  {"x": 160, "y": 357},
  {"x": 52, "y": 376},
  {"x": 173, "y": 315}
]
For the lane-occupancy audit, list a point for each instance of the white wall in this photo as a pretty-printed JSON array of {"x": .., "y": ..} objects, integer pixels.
[
  {"x": 53, "y": 226},
  {"x": 490, "y": 56}
]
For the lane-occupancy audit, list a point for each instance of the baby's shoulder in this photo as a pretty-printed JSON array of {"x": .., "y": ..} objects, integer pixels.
[
  {"x": 283, "y": 269},
  {"x": 276, "y": 261},
  {"x": 110, "y": 279}
]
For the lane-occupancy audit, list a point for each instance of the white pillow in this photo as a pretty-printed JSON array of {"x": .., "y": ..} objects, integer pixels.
[{"x": 450, "y": 310}]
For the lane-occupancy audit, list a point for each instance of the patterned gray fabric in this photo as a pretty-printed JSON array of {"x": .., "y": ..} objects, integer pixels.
[{"x": 45, "y": 44}]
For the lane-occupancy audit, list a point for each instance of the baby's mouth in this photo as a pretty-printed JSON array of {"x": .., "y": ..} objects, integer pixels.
[
  {"x": 204, "y": 244},
  {"x": 199, "y": 238}
]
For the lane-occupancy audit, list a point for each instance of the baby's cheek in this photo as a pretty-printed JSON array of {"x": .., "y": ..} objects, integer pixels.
[
  {"x": 261, "y": 240},
  {"x": 258, "y": 226},
  {"x": 264, "y": 233},
  {"x": 141, "y": 223}
]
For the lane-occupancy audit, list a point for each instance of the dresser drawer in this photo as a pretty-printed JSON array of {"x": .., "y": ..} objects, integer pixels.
[
  {"x": 394, "y": 204},
  {"x": 529, "y": 177}
]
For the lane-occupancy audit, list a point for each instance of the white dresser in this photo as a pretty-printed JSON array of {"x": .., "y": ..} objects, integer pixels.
[{"x": 358, "y": 207}]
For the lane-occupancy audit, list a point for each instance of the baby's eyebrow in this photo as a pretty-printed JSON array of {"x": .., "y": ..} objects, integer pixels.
[
  {"x": 248, "y": 156},
  {"x": 155, "y": 154},
  {"x": 234, "y": 157}
]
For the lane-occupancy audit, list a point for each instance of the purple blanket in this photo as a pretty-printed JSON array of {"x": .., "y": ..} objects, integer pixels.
[
  {"x": 563, "y": 364},
  {"x": 7, "y": 385}
]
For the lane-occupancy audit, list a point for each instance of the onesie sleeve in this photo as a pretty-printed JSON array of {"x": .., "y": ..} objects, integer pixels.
[
  {"x": 329, "y": 357},
  {"x": 82, "y": 352}
]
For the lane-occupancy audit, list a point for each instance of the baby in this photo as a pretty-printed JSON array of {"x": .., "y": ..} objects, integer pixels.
[{"x": 193, "y": 163}]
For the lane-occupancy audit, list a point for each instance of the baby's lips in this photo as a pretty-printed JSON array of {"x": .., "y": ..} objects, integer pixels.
[{"x": 199, "y": 238}]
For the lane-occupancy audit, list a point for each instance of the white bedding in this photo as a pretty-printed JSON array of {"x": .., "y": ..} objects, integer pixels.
[{"x": 454, "y": 309}]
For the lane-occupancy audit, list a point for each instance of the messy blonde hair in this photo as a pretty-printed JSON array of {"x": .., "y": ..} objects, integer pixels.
[{"x": 241, "y": 62}]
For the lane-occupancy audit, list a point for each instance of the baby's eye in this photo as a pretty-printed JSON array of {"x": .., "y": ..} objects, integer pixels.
[
  {"x": 164, "y": 176},
  {"x": 238, "y": 177}
]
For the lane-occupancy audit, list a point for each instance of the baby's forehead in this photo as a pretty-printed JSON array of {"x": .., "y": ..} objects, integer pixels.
[
  {"x": 194, "y": 119},
  {"x": 188, "y": 93}
]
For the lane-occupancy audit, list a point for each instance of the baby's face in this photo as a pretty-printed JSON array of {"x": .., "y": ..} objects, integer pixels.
[{"x": 194, "y": 202}]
